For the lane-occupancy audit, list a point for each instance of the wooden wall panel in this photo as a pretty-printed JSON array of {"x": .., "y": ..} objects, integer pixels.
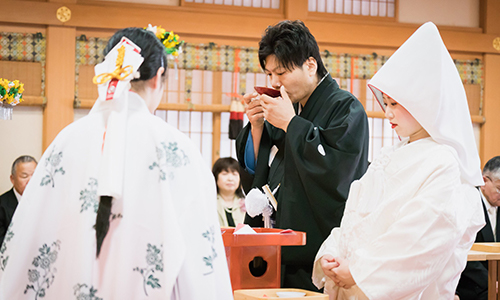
[
  {"x": 29, "y": 73},
  {"x": 86, "y": 88},
  {"x": 473, "y": 92}
]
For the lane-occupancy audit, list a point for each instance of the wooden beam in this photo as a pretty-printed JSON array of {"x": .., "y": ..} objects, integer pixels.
[
  {"x": 218, "y": 108},
  {"x": 88, "y": 103},
  {"x": 33, "y": 101},
  {"x": 296, "y": 9},
  {"x": 240, "y": 25},
  {"x": 393, "y": 35},
  {"x": 381, "y": 115},
  {"x": 60, "y": 82}
]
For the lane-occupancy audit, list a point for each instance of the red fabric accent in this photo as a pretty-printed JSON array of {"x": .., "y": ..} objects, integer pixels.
[
  {"x": 103, "y": 140},
  {"x": 111, "y": 89},
  {"x": 236, "y": 115}
]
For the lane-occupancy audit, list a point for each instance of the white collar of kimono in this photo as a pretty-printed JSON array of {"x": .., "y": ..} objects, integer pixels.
[
  {"x": 422, "y": 77},
  {"x": 327, "y": 73},
  {"x": 18, "y": 196},
  {"x": 485, "y": 201},
  {"x": 114, "y": 97}
]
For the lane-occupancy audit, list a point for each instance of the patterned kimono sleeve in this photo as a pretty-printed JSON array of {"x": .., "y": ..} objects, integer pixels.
[{"x": 204, "y": 273}]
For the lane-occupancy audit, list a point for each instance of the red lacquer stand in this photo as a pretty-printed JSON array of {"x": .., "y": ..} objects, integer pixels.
[{"x": 241, "y": 249}]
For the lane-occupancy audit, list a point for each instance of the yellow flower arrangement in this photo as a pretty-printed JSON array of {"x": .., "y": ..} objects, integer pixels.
[
  {"x": 11, "y": 92},
  {"x": 173, "y": 46}
]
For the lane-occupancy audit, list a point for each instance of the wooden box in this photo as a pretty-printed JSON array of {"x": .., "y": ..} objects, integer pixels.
[{"x": 242, "y": 250}]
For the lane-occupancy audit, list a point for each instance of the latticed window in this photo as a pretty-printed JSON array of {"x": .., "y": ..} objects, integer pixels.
[
  {"x": 274, "y": 4},
  {"x": 372, "y": 8}
]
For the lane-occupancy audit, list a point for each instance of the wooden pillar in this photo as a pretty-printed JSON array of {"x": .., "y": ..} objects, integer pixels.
[
  {"x": 59, "y": 81},
  {"x": 216, "y": 117},
  {"x": 490, "y": 137},
  {"x": 490, "y": 131}
]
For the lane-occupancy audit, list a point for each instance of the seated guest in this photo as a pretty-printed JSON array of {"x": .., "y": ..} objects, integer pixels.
[
  {"x": 20, "y": 174},
  {"x": 230, "y": 201},
  {"x": 411, "y": 219},
  {"x": 473, "y": 284}
]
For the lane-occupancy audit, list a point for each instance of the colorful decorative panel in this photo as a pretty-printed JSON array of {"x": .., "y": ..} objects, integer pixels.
[
  {"x": 212, "y": 57},
  {"x": 29, "y": 47},
  {"x": 89, "y": 51},
  {"x": 471, "y": 71}
]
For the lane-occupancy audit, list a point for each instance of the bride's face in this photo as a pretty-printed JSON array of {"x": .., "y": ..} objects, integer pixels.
[{"x": 402, "y": 121}]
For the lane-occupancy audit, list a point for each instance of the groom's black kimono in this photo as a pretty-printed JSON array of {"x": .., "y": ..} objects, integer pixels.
[{"x": 324, "y": 150}]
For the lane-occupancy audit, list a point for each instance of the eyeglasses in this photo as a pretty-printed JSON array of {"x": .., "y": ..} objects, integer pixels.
[{"x": 497, "y": 189}]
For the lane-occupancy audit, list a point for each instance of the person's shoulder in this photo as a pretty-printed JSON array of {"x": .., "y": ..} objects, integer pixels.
[
  {"x": 338, "y": 94},
  {"x": 438, "y": 155},
  {"x": 164, "y": 132},
  {"x": 7, "y": 195},
  {"x": 338, "y": 97},
  {"x": 166, "y": 129}
]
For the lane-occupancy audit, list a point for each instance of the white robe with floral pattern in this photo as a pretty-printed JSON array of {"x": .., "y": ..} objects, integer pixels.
[{"x": 164, "y": 240}]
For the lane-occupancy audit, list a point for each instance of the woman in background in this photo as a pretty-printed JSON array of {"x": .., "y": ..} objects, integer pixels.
[{"x": 230, "y": 199}]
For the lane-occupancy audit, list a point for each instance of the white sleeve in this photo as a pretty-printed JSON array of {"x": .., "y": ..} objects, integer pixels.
[
  {"x": 414, "y": 250},
  {"x": 329, "y": 246},
  {"x": 204, "y": 273}
]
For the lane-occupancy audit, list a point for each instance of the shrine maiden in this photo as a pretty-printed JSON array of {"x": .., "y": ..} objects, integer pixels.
[
  {"x": 121, "y": 167},
  {"x": 411, "y": 219}
]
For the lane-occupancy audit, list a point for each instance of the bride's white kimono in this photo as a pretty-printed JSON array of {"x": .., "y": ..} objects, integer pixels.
[
  {"x": 408, "y": 224},
  {"x": 164, "y": 240},
  {"x": 411, "y": 219}
]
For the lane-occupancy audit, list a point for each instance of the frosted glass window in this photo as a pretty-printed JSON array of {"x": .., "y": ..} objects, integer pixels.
[
  {"x": 206, "y": 148},
  {"x": 173, "y": 118},
  {"x": 184, "y": 121},
  {"x": 195, "y": 121},
  {"x": 270, "y": 4},
  {"x": 175, "y": 90},
  {"x": 373, "y": 8},
  {"x": 255, "y": 79}
]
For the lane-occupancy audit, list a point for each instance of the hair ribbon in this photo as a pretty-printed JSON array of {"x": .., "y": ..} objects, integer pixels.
[{"x": 119, "y": 73}]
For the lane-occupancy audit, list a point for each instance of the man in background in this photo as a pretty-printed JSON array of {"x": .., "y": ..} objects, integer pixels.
[
  {"x": 21, "y": 172},
  {"x": 473, "y": 284}
]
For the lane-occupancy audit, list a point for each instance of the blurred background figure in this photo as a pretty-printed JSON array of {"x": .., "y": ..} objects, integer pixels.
[
  {"x": 22, "y": 170},
  {"x": 473, "y": 284},
  {"x": 230, "y": 199}
]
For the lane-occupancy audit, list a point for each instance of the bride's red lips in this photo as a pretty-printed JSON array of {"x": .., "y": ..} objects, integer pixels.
[{"x": 393, "y": 125}]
